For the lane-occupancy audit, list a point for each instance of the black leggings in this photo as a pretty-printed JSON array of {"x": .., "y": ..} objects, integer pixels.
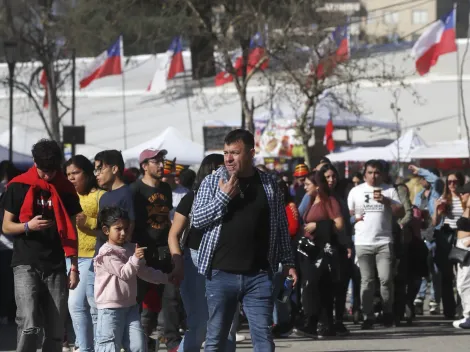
[{"x": 318, "y": 291}]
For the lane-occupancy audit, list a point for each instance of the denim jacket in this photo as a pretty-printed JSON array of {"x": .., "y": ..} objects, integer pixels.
[{"x": 436, "y": 192}]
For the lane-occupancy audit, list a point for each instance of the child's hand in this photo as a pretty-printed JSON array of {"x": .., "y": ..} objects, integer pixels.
[{"x": 139, "y": 251}]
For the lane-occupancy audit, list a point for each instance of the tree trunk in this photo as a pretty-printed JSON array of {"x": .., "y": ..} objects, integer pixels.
[
  {"x": 53, "y": 104},
  {"x": 202, "y": 57}
]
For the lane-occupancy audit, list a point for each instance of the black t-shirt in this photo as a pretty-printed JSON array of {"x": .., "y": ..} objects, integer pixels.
[
  {"x": 152, "y": 207},
  {"x": 121, "y": 197},
  {"x": 184, "y": 208},
  {"x": 244, "y": 239},
  {"x": 40, "y": 249}
]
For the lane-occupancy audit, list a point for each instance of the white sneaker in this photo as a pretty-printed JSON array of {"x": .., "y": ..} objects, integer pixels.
[
  {"x": 65, "y": 349},
  {"x": 240, "y": 337},
  {"x": 462, "y": 323}
]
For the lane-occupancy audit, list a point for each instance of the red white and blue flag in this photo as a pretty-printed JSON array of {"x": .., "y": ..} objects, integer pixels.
[
  {"x": 176, "y": 61},
  {"x": 438, "y": 39},
  {"x": 328, "y": 140},
  {"x": 257, "y": 53},
  {"x": 331, "y": 51},
  {"x": 108, "y": 63}
]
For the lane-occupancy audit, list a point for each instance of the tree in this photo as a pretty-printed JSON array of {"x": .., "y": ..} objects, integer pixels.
[{"x": 50, "y": 31}]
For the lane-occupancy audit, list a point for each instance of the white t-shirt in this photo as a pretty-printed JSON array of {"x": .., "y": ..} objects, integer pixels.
[{"x": 376, "y": 229}]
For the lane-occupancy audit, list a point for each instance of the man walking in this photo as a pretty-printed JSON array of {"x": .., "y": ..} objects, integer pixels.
[
  {"x": 40, "y": 208},
  {"x": 373, "y": 204},
  {"x": 153, "y": 203},
  {"x": 242, "y": 215}
]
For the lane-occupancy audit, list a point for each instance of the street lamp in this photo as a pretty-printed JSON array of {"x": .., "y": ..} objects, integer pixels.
[{"x": 10, "y": 57}]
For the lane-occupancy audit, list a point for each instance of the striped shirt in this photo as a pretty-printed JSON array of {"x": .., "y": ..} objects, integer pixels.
[{"x": 456, "y": 212}]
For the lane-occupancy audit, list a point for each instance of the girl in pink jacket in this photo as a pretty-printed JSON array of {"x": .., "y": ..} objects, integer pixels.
[{"x": 117, "y": 266}]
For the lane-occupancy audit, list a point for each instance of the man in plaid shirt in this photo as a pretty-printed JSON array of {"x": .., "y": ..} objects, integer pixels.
[{"x": 241, "y": 213}]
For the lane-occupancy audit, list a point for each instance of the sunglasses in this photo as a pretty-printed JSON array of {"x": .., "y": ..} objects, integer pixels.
[{"x": 452, "y": 182}]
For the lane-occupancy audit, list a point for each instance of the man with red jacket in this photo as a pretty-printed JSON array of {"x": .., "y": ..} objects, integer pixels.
[{"x": 40, "y": 207}]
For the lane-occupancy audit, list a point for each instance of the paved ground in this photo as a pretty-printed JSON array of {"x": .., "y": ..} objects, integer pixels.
[{"x": 429, "y": 334}]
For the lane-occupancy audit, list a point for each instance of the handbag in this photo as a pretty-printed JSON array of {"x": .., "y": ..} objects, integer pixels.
[{"x": 459, "y": 256}]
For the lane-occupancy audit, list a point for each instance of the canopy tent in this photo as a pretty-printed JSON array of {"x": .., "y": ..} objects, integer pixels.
[
  {"x": 184, "y": 150},
  {"x": 400, "y": 149},
  {"x": 18, "y": 158},
  {"x": 457, "y": 149}
]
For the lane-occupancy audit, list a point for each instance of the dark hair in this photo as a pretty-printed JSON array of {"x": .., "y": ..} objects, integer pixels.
[
  {"x": 324, "y": 160},
  {"x": 47, "y": 155},
  {"x": 8, "y": 170},
  {"x": 359, "y": 176},
  {"x": 108, "y": 216},
  {"x": 112, "y": 158},
  {"x": 328, "y": 167},
  {"x": 187, "y": 178},
  {"x": 460, "y": 182},
  {"x": 208, "y": 164},
  {"x": 87, "y": 167},
  {"x": 374, "y": 164},
  {"x": 135, "y": 171},
  {"x": 240, "y": 135},
  {"x": 319, "y": 180},
  {"x": 284, "y": 189}
]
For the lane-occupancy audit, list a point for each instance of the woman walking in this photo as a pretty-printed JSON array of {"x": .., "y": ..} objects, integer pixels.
[{"x": 79, "y": 172}]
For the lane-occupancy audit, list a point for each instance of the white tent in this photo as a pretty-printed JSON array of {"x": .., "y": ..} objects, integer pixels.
[
  {"x": 184, "y": 150},
  {"x": 444, "y": 150},
  {"x": 406, "y": 145}
]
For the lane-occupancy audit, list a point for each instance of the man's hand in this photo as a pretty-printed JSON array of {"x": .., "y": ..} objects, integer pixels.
[
  {"x": 36, "y": 224},
  {"x": 290, "y": 271},
  {"x": 178, "y": 269},
  {"x": 139, "y": 251},
  {"x": 414, "y": 169},
  {"x": 74, "y": 279},
  {"x": 231, "y": 187},
  {"x": 349, "y": 250},
  {"x": 80, "y": 220}
]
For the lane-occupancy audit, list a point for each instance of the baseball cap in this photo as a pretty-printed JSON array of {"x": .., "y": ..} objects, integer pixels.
[
  {"x": 301, "y": 170},
  {"x": 150, "y": 154},
  {"x": 463, "y": 189}
]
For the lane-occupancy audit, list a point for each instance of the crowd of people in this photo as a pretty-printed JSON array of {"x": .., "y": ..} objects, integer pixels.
[{"x": 124, "y": 251}]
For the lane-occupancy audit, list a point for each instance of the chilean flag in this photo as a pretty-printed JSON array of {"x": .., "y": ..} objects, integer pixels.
[
  {"x": 437, "y": 40},
  {"x": 176, "y": 63},
  {"x": 331, "y": 51},
  {"x": 328, "y": 140},
  {"x": 257, "y": 52},
  {"x": 108, "y": 63}
]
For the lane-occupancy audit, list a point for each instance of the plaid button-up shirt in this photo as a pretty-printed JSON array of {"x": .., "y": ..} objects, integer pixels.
[{"x": 209, "y": 209}]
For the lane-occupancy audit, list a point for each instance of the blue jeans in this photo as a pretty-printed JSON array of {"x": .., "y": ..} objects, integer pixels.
[
  {"x": 193, "y": 294},
  {"x": 90, "y": 295},
  {"x": 80, "y": 309},
  {"x": 223, "y": 292},
  {"x": 41, "y": 299},
  {"x": 120, "y": 328}
]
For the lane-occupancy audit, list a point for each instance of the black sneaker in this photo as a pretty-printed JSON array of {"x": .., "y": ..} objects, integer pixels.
[
  {"x": 367, "y": 325},
  {"x": 340, "y": 329},
  {"x": 325, "y": 332},
  {"x": 388, "y": 320},
  {"x": 281, "y": 331},
  {"x": 307, "y": 331}
]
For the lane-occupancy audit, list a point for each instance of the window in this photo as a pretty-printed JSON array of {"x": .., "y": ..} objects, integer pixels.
[
  {"x": 419, "y": 17},
  {"x": 391, "y": 17}
]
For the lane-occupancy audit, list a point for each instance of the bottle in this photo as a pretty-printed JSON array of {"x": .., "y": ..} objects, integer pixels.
[{"x": 285, "y": 293}]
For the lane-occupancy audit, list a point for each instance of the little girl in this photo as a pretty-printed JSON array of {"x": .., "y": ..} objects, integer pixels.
[{"x": 117, "y": 266}]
